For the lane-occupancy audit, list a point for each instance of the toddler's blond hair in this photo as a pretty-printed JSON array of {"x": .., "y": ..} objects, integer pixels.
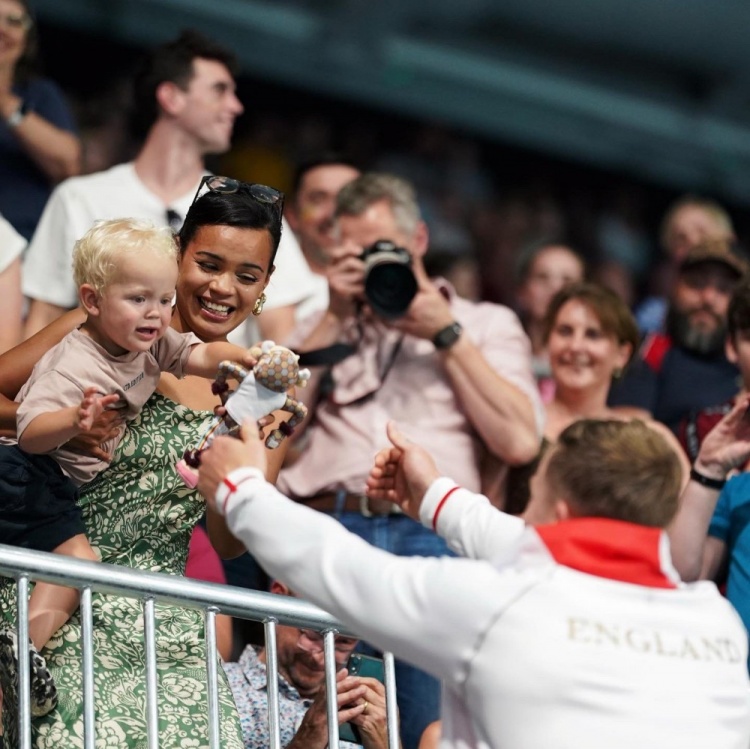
[{"x": 97, "y": 252}]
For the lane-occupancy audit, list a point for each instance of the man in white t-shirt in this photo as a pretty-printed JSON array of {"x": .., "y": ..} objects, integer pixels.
[
  {"x": 310, "y": 211},
  {"x": 574, "y": 632},
  {"x": 185, "y": 107}
]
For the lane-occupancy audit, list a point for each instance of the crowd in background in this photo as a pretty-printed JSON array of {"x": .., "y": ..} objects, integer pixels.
[
  {"x": 482, "y": 199},
  {"x": 565, "y": 256}
]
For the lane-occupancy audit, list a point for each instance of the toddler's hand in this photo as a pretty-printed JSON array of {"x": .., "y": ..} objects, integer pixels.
[{"x": 92, "y": 406}]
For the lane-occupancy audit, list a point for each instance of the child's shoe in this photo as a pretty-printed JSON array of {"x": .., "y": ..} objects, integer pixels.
[{"x": 43, "y": 689}]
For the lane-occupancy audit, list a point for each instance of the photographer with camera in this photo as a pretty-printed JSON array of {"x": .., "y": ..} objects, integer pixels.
[{"x": 456, "y": 372}]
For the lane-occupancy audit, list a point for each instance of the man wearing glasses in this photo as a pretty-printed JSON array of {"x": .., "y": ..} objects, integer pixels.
[{"x": 302, "y": 697}]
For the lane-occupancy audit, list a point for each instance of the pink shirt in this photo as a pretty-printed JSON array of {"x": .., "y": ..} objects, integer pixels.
[{"x": 349, "y": 426}]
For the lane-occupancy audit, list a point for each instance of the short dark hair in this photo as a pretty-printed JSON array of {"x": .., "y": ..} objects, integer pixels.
[
  {"x": 328, "y": 158},
  {"x": 173, "y": 62},
  {"x": 239, "y": 209},
  {"x": 738, "y": 312},
  {"x": 623, "y": 470}
]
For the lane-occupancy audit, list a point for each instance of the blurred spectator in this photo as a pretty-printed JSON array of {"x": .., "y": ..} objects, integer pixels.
[
  {"x": 591, "y": 336},
  {"x": 311, "y": 212},
  {"x": 185, "y": 104},
  {"x": 38, "y": 144},
  {"x": 543, "y": 269},
  {"x": 697, "y": 424},
  {"x": 686, "y": 367},
  {"x": 709, "y": 537},
  {"x": 689, "y": 221},
  {"x": 12, "y": 245}
]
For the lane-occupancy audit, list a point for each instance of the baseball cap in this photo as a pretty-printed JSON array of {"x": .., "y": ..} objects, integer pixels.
[{"x": 720, "y": 251}]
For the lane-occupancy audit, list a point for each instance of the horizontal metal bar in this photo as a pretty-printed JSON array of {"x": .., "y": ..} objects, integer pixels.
[{"x": 168, "y": 589}]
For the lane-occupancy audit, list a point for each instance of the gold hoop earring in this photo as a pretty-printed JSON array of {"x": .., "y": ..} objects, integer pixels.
[{"x": 258, "y": 306}]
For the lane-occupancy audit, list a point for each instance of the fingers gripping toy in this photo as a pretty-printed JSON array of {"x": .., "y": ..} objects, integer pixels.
[{"x": 259, "y": 392}]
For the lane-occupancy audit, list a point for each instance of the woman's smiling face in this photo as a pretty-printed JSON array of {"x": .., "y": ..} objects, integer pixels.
[
  {"x": 223, "y": 271},
  {"x": 582, "y": 354}
]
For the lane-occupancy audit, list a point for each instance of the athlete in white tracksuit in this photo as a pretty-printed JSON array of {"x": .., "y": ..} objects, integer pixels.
[{"x": 574, "y": 635}]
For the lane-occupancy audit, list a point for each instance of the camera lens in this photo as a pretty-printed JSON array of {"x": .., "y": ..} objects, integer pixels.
[{"x": 390, "y": 284}]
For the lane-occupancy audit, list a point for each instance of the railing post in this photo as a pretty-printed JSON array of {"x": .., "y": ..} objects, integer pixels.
[
  {"x": 212, "y": 665},
  {"x": 391, "y": 710},
  {"x": 87, "y": 658},
  {"x": 272, "y": 684},
  {"x": 24, "y": 667},
  {"x": 152, "y": 705},
  {"x": 329, "y": 653}
]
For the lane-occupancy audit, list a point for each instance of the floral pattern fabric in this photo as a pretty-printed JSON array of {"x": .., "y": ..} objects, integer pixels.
[{"x": 140, "y": 515}]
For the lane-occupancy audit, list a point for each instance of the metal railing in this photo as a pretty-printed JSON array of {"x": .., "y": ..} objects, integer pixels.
[{"x": 151, "y": 588}]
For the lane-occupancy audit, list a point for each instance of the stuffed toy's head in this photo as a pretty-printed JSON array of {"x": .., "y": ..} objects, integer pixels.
[{"x": 277, "y": 368}]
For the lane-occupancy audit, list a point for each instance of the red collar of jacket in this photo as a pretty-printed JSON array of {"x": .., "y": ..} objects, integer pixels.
[{"x": 612, "y": 549}]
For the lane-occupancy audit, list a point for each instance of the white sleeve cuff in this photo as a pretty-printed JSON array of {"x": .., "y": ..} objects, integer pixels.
[
  {"x": 432, "y": 499},
  {"x": 227, "y": 491}
]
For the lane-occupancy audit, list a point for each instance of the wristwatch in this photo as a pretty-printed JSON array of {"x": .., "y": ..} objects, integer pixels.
[
  {"x": 446, "y": 337},
  {"x": 21, "y": 111}
]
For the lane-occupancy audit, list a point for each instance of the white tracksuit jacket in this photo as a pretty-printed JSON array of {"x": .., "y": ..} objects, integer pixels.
[{"x": 577, "y": 635}]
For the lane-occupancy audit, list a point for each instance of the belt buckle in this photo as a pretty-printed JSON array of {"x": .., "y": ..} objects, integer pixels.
[{"x": 364, "y": 506}]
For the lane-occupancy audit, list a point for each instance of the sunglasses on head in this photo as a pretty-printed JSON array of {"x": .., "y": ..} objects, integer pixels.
[{"x": 228, "y": 185}]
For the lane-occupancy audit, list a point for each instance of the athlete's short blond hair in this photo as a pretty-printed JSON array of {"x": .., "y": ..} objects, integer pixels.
[{"x": 97, "y": 253}]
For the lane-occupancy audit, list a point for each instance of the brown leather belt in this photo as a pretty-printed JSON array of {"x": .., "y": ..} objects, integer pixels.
[{"x": 329, "y": 502}]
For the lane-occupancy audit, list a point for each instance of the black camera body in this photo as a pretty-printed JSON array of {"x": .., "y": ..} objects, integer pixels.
[{"x": 390, "y": 284}]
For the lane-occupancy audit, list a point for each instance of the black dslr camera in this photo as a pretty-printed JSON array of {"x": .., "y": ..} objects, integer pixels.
[{"x": 390, "y": 284}]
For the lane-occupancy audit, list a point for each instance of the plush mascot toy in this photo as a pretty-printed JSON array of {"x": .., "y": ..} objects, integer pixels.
[{"x": 259, "y": 392}]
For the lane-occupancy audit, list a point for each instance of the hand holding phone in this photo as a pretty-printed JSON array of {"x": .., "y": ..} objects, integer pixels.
[{"x": 365, "y": 666}]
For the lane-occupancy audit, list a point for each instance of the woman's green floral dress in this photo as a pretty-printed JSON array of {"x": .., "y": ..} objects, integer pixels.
[{"x": 140, "y": 515}]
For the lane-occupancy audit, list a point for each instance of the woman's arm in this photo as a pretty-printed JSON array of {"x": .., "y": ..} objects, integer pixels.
[
  {"x": 725, "y": 448},
  {"x": 55, "y": 151},
  {"x": 205, "y": 358},
  {"x": 10, "y": 293},
  {"x": 16, "y": 365}
]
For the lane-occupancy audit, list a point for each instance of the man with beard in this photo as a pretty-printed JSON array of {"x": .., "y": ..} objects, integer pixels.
[
  {"x": 302, "y": 694},
  {"x": 685, "y": 368}
]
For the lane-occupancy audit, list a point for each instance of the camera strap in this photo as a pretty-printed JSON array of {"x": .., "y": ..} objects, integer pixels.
[{"x": 328, "y": 355}]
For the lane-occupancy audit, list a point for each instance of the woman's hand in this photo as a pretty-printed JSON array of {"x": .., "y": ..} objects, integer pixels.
[{"x": 727, "y": 445}]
